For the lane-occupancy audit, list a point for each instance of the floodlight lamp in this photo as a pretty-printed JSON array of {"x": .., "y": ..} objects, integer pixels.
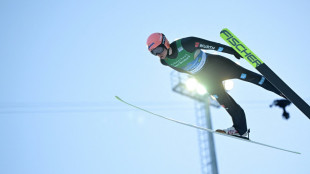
[
  {"x": 201, "y": 90},
  {"x": 228, "y": 85},
  {"x": 191, "y": 84}
]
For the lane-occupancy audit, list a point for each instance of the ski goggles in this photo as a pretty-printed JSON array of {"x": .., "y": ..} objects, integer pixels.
[{"x": 157, "y": 50}]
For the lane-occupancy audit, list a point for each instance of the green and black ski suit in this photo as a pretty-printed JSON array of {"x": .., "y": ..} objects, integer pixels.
[{"x": 211, "y": 70}]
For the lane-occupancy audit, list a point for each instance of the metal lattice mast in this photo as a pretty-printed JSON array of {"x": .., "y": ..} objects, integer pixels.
[
  {"x": 205, "y": 139},
  {"x": 202, "y": 105}
]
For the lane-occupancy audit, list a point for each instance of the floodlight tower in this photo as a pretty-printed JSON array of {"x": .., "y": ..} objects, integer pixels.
[{"x": 186, "y": 85}]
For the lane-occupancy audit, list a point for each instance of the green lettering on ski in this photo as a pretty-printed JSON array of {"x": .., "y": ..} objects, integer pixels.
[{"x": 241, "y": 48}]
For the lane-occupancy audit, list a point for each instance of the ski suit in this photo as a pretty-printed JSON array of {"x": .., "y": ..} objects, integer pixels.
[{"x": 211, "y": 70}]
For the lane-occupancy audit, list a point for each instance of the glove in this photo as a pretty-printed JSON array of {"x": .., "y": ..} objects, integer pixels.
[{"x": 237, "y": 55}]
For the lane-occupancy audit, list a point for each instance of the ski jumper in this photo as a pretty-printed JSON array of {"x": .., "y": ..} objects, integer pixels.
[{"x": 211, "y": 70}]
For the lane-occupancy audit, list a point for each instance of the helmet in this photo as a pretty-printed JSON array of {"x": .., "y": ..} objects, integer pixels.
[{"x": 157, "y": 39}]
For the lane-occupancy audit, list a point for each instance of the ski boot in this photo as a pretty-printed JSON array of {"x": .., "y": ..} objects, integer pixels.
[{"x": 232, "y": 131}]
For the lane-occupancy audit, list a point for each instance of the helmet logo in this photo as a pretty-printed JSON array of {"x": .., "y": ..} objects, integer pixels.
[{"x": 151, "y": 45}]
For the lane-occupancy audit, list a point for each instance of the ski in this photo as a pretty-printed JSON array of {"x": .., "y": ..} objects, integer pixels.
[
  {"x": 257, "y": 63},
  {"x": 204, "y": 129}
]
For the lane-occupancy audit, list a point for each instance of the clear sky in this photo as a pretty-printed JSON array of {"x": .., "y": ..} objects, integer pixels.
[{"x": 63, "y": 61}]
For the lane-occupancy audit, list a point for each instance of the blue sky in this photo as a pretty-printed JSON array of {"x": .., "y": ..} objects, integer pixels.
[{"x": 62, "y": 63}]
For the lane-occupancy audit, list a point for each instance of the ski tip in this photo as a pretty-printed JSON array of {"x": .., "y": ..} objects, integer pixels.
[{"x": 117, "y": 98}]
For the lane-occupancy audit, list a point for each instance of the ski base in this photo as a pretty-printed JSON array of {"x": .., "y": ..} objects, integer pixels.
[{"x": 206, "y": 129}]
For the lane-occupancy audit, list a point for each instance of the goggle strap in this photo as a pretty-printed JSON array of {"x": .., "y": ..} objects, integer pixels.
[{"x": 164, "y": 39}]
